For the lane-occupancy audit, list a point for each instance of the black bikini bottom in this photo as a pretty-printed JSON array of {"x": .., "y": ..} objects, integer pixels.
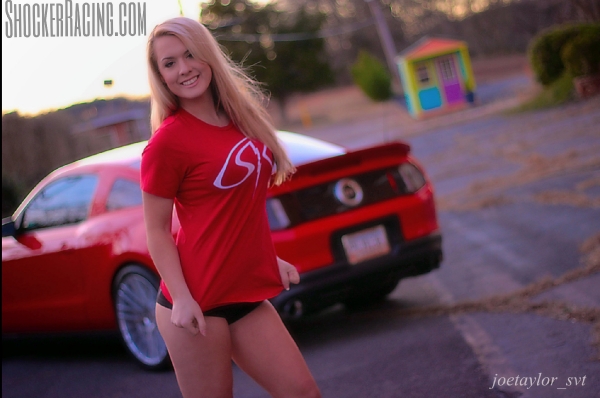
[{"x": 231, "y": 312}]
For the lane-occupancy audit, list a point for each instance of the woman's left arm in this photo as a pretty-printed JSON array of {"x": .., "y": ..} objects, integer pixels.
[{"x": 289, "y": 273}]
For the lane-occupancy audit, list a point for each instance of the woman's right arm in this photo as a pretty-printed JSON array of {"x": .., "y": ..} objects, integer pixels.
[{"x": 158, "y": 213}]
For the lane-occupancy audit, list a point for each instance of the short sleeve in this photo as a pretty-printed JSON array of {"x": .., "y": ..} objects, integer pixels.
[{"x": 162, "y": 168}]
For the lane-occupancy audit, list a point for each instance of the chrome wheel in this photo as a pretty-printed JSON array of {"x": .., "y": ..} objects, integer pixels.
[{"x": 135, "y": 300}]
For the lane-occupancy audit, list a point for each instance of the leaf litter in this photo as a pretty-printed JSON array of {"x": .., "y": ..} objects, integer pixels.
[{"x": 521, "y": 301}]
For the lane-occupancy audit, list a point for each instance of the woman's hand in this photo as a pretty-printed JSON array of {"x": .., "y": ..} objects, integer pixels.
[
  {"x": 289, "y": 273},
  {"x": 158, "y": 216},
  {"x": 187, "y": 314}
]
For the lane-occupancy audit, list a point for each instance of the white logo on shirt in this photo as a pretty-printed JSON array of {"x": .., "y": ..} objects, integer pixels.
[{"x": 236, "y": 152}]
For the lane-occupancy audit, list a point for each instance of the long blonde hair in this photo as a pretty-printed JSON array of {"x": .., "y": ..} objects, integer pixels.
[{"x": 234, "y": 91}]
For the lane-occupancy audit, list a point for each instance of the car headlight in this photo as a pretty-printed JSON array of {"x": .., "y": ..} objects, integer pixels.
[
  {"x": 278, "y": 218},
  {"x": 411, "y": 177}
]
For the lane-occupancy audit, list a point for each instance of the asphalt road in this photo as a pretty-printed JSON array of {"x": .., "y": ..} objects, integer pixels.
[{"x": 518, "y": 195}]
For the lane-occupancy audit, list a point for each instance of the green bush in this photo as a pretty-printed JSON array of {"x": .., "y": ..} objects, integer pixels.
[
  {"x": 372, "y": 77},
  {"x": 581, "y": 56},
  {"x": 545, "y": 49},
  {"x": 556, "y": 93}
]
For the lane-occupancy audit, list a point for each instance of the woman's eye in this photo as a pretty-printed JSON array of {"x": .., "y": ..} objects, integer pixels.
[
  {"x": 190, "y": 55},
  {"x": 168, "y": 64}
]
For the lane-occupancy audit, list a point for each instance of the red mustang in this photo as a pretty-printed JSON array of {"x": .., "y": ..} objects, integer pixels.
[{"x": 74, "y": 254}]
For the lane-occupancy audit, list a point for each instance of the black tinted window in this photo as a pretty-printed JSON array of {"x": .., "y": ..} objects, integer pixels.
[
  {"x": 62, "y": 202},
  {"x": 124, "y": 193}
]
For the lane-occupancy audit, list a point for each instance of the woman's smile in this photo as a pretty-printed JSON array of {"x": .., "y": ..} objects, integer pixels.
[{"x": 191, "y": 81}]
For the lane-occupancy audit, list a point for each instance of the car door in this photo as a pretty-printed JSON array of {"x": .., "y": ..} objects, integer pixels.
[{"x": 42, "y": 276}]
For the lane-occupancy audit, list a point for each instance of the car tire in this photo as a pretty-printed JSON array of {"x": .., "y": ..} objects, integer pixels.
[
  {"x": 134, "y": 294},
  {"x": 370, "y": 297}
]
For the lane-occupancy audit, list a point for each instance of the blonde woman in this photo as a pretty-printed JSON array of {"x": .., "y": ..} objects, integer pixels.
[{"x": 212, "y": 156}]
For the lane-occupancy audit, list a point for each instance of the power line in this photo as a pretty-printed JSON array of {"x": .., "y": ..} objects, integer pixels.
[{"x": 339, "y": 30}]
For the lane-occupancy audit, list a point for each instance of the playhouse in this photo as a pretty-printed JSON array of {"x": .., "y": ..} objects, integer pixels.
[{"x": 436, "y": 76}]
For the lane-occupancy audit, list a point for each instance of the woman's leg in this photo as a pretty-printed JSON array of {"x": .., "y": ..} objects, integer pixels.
[
  {"x": 263, "y": 348},
  {"x": 202, "y": 363}
]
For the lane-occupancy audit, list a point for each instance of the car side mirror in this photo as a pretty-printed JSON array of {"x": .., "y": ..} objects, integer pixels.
[{"x": 8, "y": 227}]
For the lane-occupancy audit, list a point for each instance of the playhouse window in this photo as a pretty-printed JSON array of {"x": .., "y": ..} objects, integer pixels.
[
  {"x": 446, "y": 68},
  {"x": 423, "y": 74}
]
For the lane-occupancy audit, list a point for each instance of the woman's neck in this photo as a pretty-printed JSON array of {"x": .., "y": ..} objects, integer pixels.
[{"x": 204, "y": 109}]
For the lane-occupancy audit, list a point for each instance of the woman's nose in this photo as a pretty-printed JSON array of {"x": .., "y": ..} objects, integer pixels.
[{"x": 184, "y": 67}]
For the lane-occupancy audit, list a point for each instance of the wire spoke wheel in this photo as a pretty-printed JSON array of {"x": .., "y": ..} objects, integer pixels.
[{"x": 135, "y": 299}]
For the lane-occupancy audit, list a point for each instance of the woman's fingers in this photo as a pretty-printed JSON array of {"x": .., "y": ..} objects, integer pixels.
[
  {"x": 189, "y": 317},
  {"x": 294, "y": 276},
  {"x": 191, "y": 326},
  {"x": 200, "y": 322},
  {"x": 285, "y": 279},
  {"x": 289, "y": 273},
  {"x": 196, "y": 324}
]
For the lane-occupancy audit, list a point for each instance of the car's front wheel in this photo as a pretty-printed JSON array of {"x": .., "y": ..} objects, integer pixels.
[{"x": 134, "y": 293}]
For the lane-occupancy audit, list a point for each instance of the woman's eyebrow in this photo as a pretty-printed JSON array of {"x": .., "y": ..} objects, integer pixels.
[{"x": 186, "y": 52}]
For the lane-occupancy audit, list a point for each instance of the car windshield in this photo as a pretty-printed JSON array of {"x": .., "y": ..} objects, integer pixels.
[{"x": 303, "y": 149}]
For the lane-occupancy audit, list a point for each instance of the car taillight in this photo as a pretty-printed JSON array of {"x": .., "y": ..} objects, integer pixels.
[
  {"x": 278, "y": 218},
  {"x": 411, "y": 177}
]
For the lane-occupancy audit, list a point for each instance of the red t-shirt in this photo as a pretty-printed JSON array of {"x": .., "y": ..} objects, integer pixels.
[{"x": 218, "y": 179}]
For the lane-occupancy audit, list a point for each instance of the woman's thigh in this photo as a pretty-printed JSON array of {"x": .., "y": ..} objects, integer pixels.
[
  {"x": 263, "y": 348},
  {"x": 202, "y": 363}
]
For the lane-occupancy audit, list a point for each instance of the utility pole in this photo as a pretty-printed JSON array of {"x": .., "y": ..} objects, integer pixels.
[{"x": 387, "y": 42}]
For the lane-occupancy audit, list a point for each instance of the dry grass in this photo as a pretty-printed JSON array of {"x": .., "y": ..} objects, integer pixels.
[
  {"x": 487, "y": 193},
  {"x": 347, "y": 104},
  {"x": 518, "y": 147},
  {"x": 522, "y": 301},
  {"x": 589, "y": 183},
  {"x": 487, "y": 69},
  {"x": 575, "y": 199}
]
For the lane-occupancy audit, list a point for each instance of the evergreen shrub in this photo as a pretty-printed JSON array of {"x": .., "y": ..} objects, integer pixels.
[
  {"x": 546, "y": 49},
  {"x": 372, "y": 77},
  {"x": 581, "y": 56}
]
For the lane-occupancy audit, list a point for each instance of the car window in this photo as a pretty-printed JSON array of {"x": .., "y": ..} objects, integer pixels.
[
  {"x": 62, "y": 202},
  {"x": 124, "y": 193}
]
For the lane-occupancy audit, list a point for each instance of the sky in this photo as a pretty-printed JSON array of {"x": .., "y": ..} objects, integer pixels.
[{"x": 41, "y": 74}]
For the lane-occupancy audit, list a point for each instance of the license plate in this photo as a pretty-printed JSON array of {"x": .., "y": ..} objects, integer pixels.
[{"x": 366, "y": 244}]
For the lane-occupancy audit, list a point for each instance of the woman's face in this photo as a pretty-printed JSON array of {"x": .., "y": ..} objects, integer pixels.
[{"x": 188, "y": 78}]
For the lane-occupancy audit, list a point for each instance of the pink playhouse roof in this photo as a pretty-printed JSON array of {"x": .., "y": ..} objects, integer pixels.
[{"x": 430, "y": 46}]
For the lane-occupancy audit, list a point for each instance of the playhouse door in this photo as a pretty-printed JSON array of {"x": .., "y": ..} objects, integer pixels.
[{"x": 449, "y": 79}]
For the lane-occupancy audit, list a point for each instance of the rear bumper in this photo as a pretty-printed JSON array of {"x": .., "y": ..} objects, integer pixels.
[{"x": 340, "y": 281}]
